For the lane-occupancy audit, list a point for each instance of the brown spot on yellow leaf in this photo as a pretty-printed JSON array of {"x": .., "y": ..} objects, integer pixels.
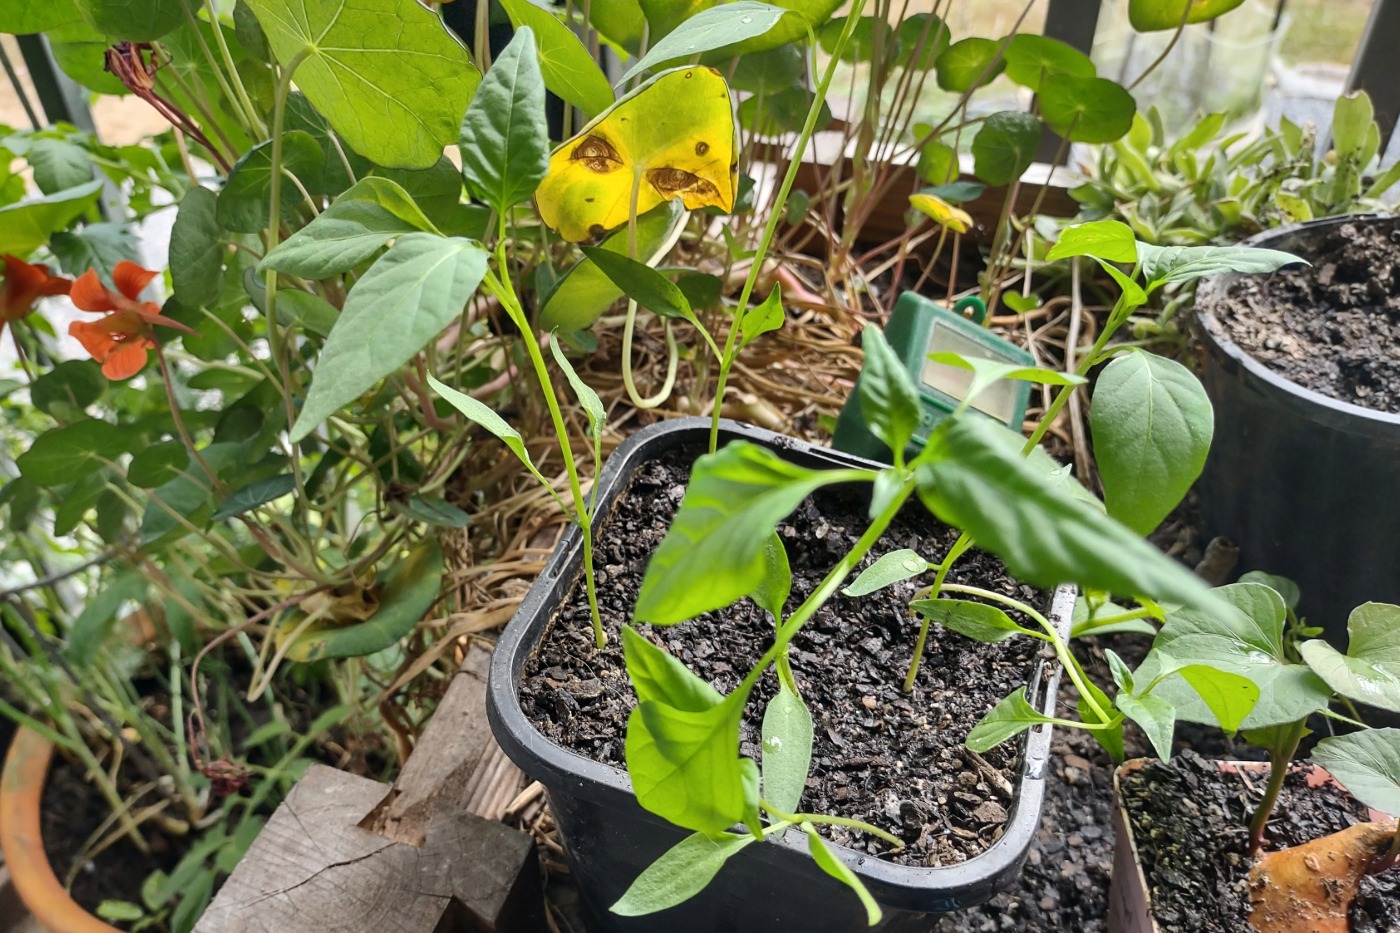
[
  {"x": 671, "y": 182},
  {"x": 597, "y": 154},
  {"x": 702, "y": 147}
]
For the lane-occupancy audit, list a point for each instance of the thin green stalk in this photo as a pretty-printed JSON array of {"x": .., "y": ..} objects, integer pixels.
[
  {"x": 239, "y": 94},
  {"x": 1285, "y": 747},
  {"x": 790, "y": 818},
  {"x": 959, "y": 548}
]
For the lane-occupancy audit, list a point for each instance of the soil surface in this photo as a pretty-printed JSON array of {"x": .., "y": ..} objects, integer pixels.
[
  {"x": 1334, "y": 326},
  {"x": 883, "y": 756},
  {"x": 1190, "y": 822}
]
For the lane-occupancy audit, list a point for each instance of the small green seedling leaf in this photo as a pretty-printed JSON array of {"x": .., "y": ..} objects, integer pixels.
[
  {"x": 762, "y": 318},
  {"x": 1110, "y": 737},
  {"x": 773, "y": 592},
  {"x": 787, "y": 749},
  {"x": 894, "y": 567},
  {"x": 1155, "y": 716},
  {"x": 680, "y": 874},
  {"x": 480, "y": 413},
  {"x": 833, "y": 866},
  {"x": 588, "y": 399},
  {"x": 1367, "y": 764},
  {"x": 1231, "y": 697},
  {"x": 1009, "y": 718},
  {"x": 643, "y": 284},
  {"x": 1122, "y": 674},
  {"x": 1162, "y": 265},
  {"x": 1370, "y": 670},
  {"x": 986, "y": 372},
  {"x": 1110, "y": 240},
  {"x": 1096, "y": 619},
  {"x": 889, "y": 401},
  {"x": 658, "y": 675},
  {"x": 977, "y": 621}
]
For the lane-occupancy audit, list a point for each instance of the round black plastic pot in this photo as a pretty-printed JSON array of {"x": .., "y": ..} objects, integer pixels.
[
  {"x": 1305, "y": 485},
  {"x": 610, "y": 839}
]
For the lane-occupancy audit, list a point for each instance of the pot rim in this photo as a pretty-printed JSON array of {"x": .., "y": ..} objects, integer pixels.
[
  {"x": 1213, "y": 333},
  {"x": 565, "y": 767}
]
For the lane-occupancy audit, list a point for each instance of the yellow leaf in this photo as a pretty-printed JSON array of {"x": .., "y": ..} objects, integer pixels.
[
  {"x": 671, "y": 138},
  {"x": 941, "y": 212}
]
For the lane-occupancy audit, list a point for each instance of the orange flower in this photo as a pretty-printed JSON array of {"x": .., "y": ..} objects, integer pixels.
[
  {"x": 24, "y": 285},
  {"x": 121, "y": 341}
]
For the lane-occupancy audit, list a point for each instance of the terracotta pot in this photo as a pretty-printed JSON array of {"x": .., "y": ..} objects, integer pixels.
[
  {"x": 1129, "y": 901},
  {"x": 21, "y": 842}
]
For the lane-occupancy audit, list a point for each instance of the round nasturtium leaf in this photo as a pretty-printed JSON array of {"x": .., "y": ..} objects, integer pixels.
[
  {"x": 1032, "y": 60},
  {"x": 1087, "y": 110},
  {"x": 1156, "y": 15},
  {"x": 673, "y": 137},
  {"x": 922, "y": 38},
  {"x": 967, "y": 63}
]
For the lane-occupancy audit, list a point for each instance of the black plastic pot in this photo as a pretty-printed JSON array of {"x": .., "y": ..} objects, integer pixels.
[
  {"x": 1305, "y": 485},
  {"x": 772, "y": 886}
]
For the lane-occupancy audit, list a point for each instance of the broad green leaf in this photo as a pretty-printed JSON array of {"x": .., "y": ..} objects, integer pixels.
[
  {"x": 296, "y": 308},
  {"x": 387, "y": 74},
  {"x": 1370, "y": 670},
  {"x": 889, "y": 402},
  {"x": 787, "y": 749},
  {"x": 1152, "y": 426},
  {"x": 588, "y": 399},
  {"x": 839, "y": 870},
  {"x": 680, "y": 874},
  {"x": 197, "y": 249},
  {"x": 18, "y": 17},
  {"x": 243, "y": 203},
  {"x": 1087, "y": 110},
  {"x": 1133, "y": 295},
  {"x": 709, "y": 29},
  {"x": 1010, "y": 717},
  {"x": 1111, "y": 240},
  {"x": 87, "y": 635},
  {"x": 713, "y": 554},
  {"x": 1005, "y": 146},
  {"x": 1032, "y": 60},
  {"x": 584, "y": 292},
  {"x": 157, "y": 464},
  {"x": 861, "y": 47},
  {"x": 773, "y": 592},
  {"x": 348, "y": 232},
  {"x": 1155, "y": 716},
  {"x": 187, "y": 495},
  {"x": 1231, "y": 697},
  {"x": 1367, "y": 764},
  {"x": 762, "y": 318},
  {"x": 776, "y": 113},
  {"x": 432, "y": 510},
  {"x": 504, "y": 139},
  {"x": 436, "y": 192},
  {"x": 938, "y": 164},
  {"x": 968, "y": 63},
  {"x": 1283, "y": 586},
  {"x": 479, "y": 413},
  {"x": 59, "y": 165},
  {"x": 1165, "y": 264},
  {"x": 118, "y": 20},
  {"x": 67, "y": 454},
  {"x": 762, "y": 72},
  {"x": 408, "y": 591},
  {"x": 99, "y": 246},
  {"x": 978, "y": 481},
  {"x": 255, "y": 494},
  {"x": 974, "y": 620},
  {"x": 956, "y": 192},
  {"x": 985, "y": 372},
  {"x": 658, "y": 675},
  {"x": 119, "y": 911},
  {"x": 685, "y": 765},
  {"x": 642, "y": 284},
  {"x": 891, "y": 568},
  {"x": 1156, "y": 15},
  {"x": 67, "y": 389},
  {"x": 26, "y": 226},
  {"x": 568, "y": 70},
  {"x": 922, "y": 38},
  {"x": 405, "y": 300}
]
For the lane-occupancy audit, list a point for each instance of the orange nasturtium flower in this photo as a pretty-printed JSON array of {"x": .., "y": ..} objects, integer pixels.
[
  {"x": 122, "y": 340},
  {"x": 24, "y": 285}
]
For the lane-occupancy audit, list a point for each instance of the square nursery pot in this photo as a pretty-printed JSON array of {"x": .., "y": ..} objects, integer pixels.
[
  {"x": 1129, "y": 897},
  {"x": 774, "y": 885},
  {"x": 1304, "y": 484}
]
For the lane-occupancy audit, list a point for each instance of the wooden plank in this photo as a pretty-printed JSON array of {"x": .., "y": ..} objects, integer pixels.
[{"x": 1075, "y": 23}]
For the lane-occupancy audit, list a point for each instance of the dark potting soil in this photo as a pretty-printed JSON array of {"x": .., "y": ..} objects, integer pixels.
[
  {"x": 1190, "y": 822},
  {"x": 892, "y": 759},
  {"x": 1334, "y": 326}
]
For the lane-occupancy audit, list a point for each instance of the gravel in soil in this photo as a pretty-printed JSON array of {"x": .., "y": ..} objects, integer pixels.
[
  {"x": 889, "y": 758},
  {"x": 1190, "y": 822},
  {"x": 1333, "y": 326}
]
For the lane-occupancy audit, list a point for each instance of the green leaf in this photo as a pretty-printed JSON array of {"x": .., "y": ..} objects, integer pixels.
[
  {"x": 1010, "y": 717},
  {"x": 1165, "y": 264},
  {"x": 938, "y": 165},
  {"x": 1110, "y": 738},
  {"x": 889, "y": 402},
  {"x": 986, "y": 372},
  {"x": 89, "y": 631},
  {"x": 116, "y": 19},
  {"x": 1283, "y": 586},
  {"x": 1122, "y": 674},
  {"x": 387, "y": 75},
  {"x": 978, "y": 481},
  {"x": 713, "y": 554},
  {"x": 891, "y": 568},
  {"x": 432, "y": 510},
  {"x": 67, "y": 389},
  {"x": 839, "y": 870},
  {"x": 1367, "y": 764},
  {"x": 922, "y": 38},
  {"x": 680, "y": 874},
  {"x": 1031, "y": 60},
  {"x": 1005, "y": 146},
  {"x": 763, "y": 318},
  {"x": 243, "y": 203},
  {"x": 568, "y": 70},
  {"x": 296, "y": 308},
  {"x": 363, "y": 219},
  {"x": 1152, "y": 426},
  {"x": 1109, "y": 240},
  {"x": 974, "y": 620},
  {"x": 1086, "y": 623},
  {"x": 1156, "y": 15},
  {"x": 968, "y": 63},
  {"x": 405, "y": 300},
  {"x": 1155, "y": 716},
  {"x": 437, "y": 193},
  {"x": 67, "y": 454},
  {"x": 658, "y": 676},
  {"x": 119, "y": 911},
  {"x": 197, "y": 249},
  {"x": 1231, "y": 697},
  {"x": 255, "y": 494},
  {"x": 26, "y": 226},
  {"x": 18, "y": 17},
  {"x": 761, "y": 72},
  {"x": 99, "y": 246},
  {"x": 409, "y": 590},
  {"x": 709, "y": 29},
  {"x": 188, "y": 495},
  {"x": 504, "y": 141},
  {"x": 643, "y": 284},
  {"x": 787, "y": 749},
  {"x": 59, "y": 165},
  {"x": 685, "y": 765},
  {"x": 588, "y": 399},
  {"x": 1087, "y": 110},
  {"x": 1370, "y": 670},
  {"x": 157, "y": 464},
  {"x": 479, "y": 413},
  {"x": 773, "y": 592}
]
